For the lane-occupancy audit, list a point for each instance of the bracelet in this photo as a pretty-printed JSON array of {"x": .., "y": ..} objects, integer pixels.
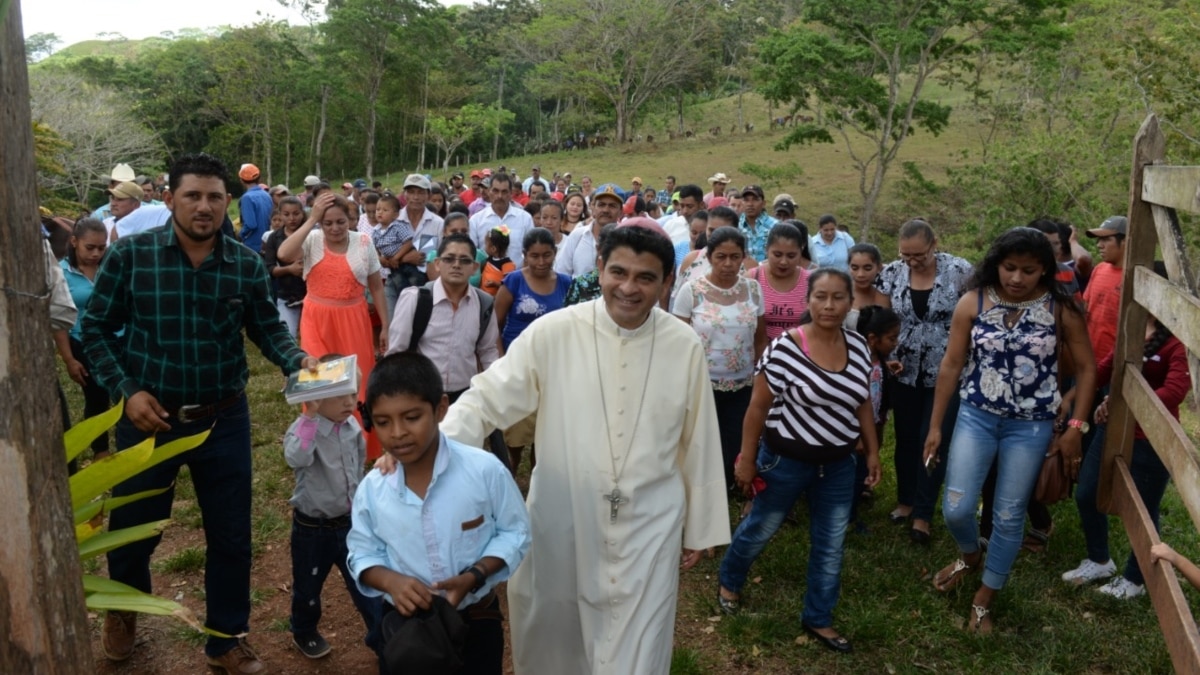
[{"x": 480, "y": 577}]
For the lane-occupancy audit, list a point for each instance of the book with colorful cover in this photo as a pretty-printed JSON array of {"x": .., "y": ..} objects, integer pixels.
[{"x": 332, "y": 378}]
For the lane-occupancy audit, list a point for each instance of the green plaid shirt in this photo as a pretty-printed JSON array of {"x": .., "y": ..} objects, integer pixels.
[{"x": 183, "y": 325}]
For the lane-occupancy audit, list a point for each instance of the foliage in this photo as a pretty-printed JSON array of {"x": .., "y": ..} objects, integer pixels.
[
  {"x": 863, "y": 65},
  {"x": 472, "y": 120},
  {"x": 40, "y": 45},
  {"x": 98, "y": 126},
  {"x": 87, "y": 489}
]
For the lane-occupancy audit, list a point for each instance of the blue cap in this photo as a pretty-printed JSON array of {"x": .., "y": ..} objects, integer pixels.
[
  {"x": 609, "y": 189},
  {"x": 360, "y": 183}
]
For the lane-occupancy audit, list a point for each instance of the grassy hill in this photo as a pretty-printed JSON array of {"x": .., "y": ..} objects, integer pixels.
[{"x": 121, "y": 50}]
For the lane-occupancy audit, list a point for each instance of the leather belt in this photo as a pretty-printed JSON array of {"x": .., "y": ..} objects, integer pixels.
[
  {"x": 309, "y": 521},
  {"x": 195, "y": 413}
]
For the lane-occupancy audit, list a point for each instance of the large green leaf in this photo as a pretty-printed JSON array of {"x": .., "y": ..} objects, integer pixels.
[
  {"x": 100, "y": 476},
  {"x": 93, "y": 509},
  {"x": 103, "y": 543},
  {"x": 106, "y": 594},
  {"x": 79, "y": 437}
]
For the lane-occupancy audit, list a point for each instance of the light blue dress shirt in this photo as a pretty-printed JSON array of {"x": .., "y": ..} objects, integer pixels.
[
  {"x": 472, "y": 510},
  {"x": 835, "y": 254}
]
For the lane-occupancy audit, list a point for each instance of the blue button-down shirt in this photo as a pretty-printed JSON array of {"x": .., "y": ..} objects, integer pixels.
[
  {"x": 81, "y": 291},
  {"x": 756, "y": 239},
  {"x": 255, "y": 208},
  {"x": 472, "y": 510},
  {"x": 834, "y": 254}
]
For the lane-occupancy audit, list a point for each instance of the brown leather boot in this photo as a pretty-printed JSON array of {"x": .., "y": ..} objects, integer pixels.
[
  {"x": 118, "y": 635},
  {"x": 241, "y": 660}
]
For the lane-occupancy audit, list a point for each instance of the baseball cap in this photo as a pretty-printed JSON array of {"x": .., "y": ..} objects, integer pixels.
[
  {"x": 754, "y": 190},
  {"x": 609, "y": 190},
  {"x": 487, "y": 172},
  {"x": 249, "y": 172},
  {"x": 784, "y": 197},
  {"x": 636, "y": 179},
  {"x": 360, "y": 183},
  {"x": 785, "y": 205},
  {"x": 719, "y": 178},
  {"x": 280, "y": 189},
  {"x": 476, "y": 174},
  {"x": 310, "y": 181},
  {"x": 127, "y": 190},
  {"x": 121, "y": 173},
  {"x": 416, "y": 180},
  {"x": 347, "y": 186},
  {"x": 1111, "y": 225},
  {"x": 458, "y": 174}
]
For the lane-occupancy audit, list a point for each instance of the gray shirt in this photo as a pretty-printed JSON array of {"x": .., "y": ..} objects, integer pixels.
[{"x": 328, "y": 459}]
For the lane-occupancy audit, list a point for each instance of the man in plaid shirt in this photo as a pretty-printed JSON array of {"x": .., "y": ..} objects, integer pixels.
[{"x": 184, "y": 293}]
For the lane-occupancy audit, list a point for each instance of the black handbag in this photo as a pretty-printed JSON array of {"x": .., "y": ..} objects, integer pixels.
[{"x": 430, "y": 642}]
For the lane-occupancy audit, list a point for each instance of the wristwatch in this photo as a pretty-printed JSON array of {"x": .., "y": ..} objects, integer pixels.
[
  {"x": 1082, "y": 426},
  {"x": 480, "y": 577}
]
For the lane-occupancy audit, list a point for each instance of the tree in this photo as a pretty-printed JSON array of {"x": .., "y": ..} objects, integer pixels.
[
  {"x": 472, "y": 121},
  {"x": 41, "y": 598},
  {"x": 99, "y": 125},
  {"x": 863, "y": 67},
  {"x": 623, "y": 52},
  {"x": 40, "y": 45}
]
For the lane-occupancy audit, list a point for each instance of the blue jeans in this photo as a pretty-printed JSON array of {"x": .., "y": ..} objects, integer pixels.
[
  {"x": 830, "y": 490},
  {"x": 1149, "y": 476},
  {"x": 317, "y": 546},
  {"x": 978, "y": 437},
  {"x": 911, "y": 408},
  {"x": 221, "y": 473},
  {"x": 731, "y": 411},
  {"x": 400, "y": 278}
]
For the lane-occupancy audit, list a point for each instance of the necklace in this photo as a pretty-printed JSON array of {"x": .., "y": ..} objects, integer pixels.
[
  {"x": 995, "y": 299},
  {"x": 614, "y": 498}
]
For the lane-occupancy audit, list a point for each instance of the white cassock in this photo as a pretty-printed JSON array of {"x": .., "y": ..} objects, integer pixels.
[{"x": 594, "y": 596}]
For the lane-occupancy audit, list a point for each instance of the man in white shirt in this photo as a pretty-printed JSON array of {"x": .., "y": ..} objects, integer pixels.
[
  {"x": 426, "y": 225},
  {"x": 691, "y": 200},
  {"x": 123, "y": 199},
  {"x": 535, "y": 177},
  {"x": 500, "y": 212},
  {"x": 578, "y": 254}
]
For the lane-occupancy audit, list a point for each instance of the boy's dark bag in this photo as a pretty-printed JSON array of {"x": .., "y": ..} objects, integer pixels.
[{"x": 430, "y": 642}]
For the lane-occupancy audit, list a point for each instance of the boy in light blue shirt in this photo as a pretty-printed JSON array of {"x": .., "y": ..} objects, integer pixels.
[{"x": 447, "y": 520}]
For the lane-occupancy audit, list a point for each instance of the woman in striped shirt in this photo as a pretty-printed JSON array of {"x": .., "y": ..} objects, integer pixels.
[{"x": 812, "y": 396}]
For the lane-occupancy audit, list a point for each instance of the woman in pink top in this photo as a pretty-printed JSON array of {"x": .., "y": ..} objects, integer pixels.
[{"x": 783, "y": 279}]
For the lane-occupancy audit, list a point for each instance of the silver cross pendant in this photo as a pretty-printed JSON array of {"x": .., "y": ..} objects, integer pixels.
[{"x": 615, "y": 500}]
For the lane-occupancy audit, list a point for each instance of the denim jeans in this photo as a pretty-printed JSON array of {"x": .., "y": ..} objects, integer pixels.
[
  {"x": 400, "y": 278},
  {"x": 316, "y": 550},
  {"x": 830, "y": 491},
  {"x": 978, "y": 438},
  {"x": 290, "y": 316},
  {"x": 731, "y": 412},
  {"x": 220, "y": 469},
  {"x": 1149, "y": 476},
  {"x": 911, "y": 408}
]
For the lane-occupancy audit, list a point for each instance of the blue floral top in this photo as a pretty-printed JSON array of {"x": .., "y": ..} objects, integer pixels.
[
  {"x": 923, "y": 340},
  {"x": 1013, "y": 371}
]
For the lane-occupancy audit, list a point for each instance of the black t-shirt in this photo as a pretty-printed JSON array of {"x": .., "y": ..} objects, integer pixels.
[{"x": 288, "y": 288}]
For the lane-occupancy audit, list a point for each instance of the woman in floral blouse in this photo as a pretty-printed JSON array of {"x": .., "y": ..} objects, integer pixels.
[
  {"x": 1002, "y": 361},
  {"x": 726, "y": 310},
  {"x": 924, "y": 286}
]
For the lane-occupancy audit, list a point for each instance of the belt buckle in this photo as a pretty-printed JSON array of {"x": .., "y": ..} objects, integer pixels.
[{"x": 185, "y": 411}]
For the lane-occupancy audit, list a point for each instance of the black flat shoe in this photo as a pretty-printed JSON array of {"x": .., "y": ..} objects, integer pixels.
[
  {"x": 837, "y": 643},
  {"x": 919, "y": 536}
]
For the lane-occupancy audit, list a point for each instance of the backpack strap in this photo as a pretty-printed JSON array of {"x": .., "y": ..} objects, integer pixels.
[
  {"x": 421, "y": 316},
  {"x": 486, "y": 305}
]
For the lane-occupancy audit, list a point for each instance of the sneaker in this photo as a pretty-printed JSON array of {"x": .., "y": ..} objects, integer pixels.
[
  {"x": 118, "y": 635},
  {"x": 1089, "y": 571},
  {"x": 241, "y": 660},
  {"x": 1122, "y": 589},
  {"x": 312, "y": 645}
]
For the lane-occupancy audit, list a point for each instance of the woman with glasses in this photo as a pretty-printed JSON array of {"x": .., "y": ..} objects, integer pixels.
[{"x": 924, "y": 286}]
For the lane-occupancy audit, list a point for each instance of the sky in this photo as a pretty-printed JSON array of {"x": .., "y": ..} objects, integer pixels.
[{"x": 78, "y": 20}]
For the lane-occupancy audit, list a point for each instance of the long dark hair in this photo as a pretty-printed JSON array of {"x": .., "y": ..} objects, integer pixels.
[{"x": 1022, "y": 241}]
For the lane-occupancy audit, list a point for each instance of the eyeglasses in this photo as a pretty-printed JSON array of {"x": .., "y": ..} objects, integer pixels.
[
  {"x": 456, "y": 261},
  {"x": 917, "y": 256}
]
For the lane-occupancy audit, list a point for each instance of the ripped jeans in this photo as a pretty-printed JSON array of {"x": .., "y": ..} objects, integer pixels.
[{"x": 978, "y": 439}]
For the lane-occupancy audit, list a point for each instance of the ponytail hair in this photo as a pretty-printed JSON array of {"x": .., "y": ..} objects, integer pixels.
[{"x": 876, "y": 320}]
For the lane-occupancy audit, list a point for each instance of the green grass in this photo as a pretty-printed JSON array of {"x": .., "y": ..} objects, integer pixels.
[{"x": 183, "y": 561}]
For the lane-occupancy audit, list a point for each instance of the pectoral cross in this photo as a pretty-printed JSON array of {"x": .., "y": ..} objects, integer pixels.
[{"x": 615, "y": 500}]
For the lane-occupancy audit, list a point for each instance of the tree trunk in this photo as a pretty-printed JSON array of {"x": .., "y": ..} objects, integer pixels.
[
  {"x": 621, "y": 120},
  {"x": 499, "y": 104},
  {"x": 372, "y": 117},
  {"x": 679, "y": 109},
  {"x": 741, "y": 92},
  {"x": 287, "y": 151},
  {"x": 267, "y": 145},
  {"x": 870, "y": 197},
  {"x": 321, "y": 129},
  {"x": 42, "y": 613},
  {"x": 424, "y": 121}
]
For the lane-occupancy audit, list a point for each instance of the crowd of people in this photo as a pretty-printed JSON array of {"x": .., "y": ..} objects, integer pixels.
[{"x": 658, "y": 353}]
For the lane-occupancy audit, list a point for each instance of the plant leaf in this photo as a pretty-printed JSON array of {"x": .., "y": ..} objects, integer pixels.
[
  {"x": 79, "y": 437},
  {"x": 133, "y": 600},
  {"x": 91, "y": 510},
  {"x": 85, "y": 530},
  {"x": 103, "y": 543},
  {"x": 103, "y": 475}
]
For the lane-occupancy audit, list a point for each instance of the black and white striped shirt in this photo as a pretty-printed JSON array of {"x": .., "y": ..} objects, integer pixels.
[{"x": 814, "y": 417}]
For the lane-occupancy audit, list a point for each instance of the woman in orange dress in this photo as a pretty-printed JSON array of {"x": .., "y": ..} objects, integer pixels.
[{"x": 339, "y": 265}]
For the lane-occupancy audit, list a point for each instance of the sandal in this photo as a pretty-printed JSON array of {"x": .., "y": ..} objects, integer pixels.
[
  {"x": 951, "y": 576},
  {"x": 1037, "y": 541},
  {"x": 975, "y": 622},
  {"x": 728, "y": 607},
  {"x": 898, "y": 518}
]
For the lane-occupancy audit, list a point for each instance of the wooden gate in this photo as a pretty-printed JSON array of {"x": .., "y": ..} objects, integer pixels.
[{"x": 1157, "y": 193}]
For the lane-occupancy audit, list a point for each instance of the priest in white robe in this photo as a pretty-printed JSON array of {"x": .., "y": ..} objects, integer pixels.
[{"x": 628, "y": 475}]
